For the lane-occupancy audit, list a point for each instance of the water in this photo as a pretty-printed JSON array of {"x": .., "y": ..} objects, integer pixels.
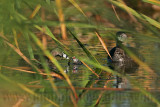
[{"x": 119, "y": 90}]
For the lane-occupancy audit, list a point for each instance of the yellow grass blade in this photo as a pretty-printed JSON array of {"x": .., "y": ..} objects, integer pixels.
[
  {"x": 15, "y": 38},
  {"x": 103, "y": 44},
  {"x": 73, "y": 100},
  {"x": 35, "y": 11},
  {"x": 32, "y": 72},
  {"x": 115, "y": 12},
  {"x": 44, "y": 38},
  {"x": 90, "y": 69},
  {"x": 1, "y": 35},
  {"x": 61, "y": 19},
  {"x": 19, "y": 102},
  {"x": 77, "y": 6},
  {"x": 156, "y": 2}
]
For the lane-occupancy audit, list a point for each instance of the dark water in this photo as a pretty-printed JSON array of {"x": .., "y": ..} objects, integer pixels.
[{"x": 120, "y": 91}]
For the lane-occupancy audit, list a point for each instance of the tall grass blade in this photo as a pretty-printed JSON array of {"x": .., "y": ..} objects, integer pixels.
[
  {"x": 48, "y": 1},
  {"x": 15, "y": 38},
  {"x": 155, "y": 2},
  {"x": 151, "y": 21},
  {"x": 28, "y": 41},
  {"x": 32, "y": 72},
  {"x": 103, "y": 44},
  {"x": 99, "y": 98},
  {"x": 63, "y": 47},
  {"x": 84, "y": 49},
  {"x": 61, "y": 19},
  {"x": 73, "y": 100},
  {"x": 36, "y": 10},
  {"x": 115, "y": 12},
  {"x": 77, "y": 6},
  {"x": 90, "y": 69}
]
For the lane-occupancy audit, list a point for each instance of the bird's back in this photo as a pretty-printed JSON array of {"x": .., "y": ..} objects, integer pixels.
[{"x": 119, "y": 55}]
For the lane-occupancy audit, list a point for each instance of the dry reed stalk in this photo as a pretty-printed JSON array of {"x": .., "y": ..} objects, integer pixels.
[
  {"x": 35, "y": 11},
  {"x": 45, "y": 74},
  {"x": 103, "y": 44},
  {"x": 73, "y": 100},
  {"x": 15, "y": 38},
  {"x": 61, "y": 19},
  {"x": 19, "y": 102},
  {"x": 115, "y": 12},
  {"x": 90, "y": 69},
  {"x": 99, "y": 98}
]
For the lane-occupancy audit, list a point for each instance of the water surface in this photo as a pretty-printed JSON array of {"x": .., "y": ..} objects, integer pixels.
[{"x": 119, "y": 91}]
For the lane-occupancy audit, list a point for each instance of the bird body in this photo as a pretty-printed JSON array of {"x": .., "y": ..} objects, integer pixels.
[{"x": 119, "y": 55}]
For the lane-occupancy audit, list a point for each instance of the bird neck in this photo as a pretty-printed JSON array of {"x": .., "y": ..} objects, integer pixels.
[{"x": 119, "y": 44}]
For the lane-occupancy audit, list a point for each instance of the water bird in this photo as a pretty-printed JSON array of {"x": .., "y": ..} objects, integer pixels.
[
  {"x": 63, "y": 58},
  {"x": 117, "y": 53},
  {"x": 74, "y": 61},
  {"x": 120, "y": 60},
  {"x": 57, "y": 52}
]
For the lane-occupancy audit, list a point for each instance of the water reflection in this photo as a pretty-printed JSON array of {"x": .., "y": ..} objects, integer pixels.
[
  {"x": 124, "y": 69},
  {"x": 80, "y": 76},
  {"x": 72, "y": 68}
]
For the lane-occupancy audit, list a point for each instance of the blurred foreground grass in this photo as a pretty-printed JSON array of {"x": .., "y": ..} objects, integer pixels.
[{"x": 24, "y": 24}]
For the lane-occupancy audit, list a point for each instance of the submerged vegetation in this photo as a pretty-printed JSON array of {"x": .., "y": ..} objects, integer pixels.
[{"x": 84, "y": 30}]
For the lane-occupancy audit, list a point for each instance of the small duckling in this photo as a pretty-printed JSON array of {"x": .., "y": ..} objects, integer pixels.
[
  {"x": 57, "y": 52},
  {"x": 74, "y": 61}
]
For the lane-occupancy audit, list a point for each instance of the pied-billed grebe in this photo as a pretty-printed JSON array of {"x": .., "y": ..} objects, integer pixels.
[
  {"x": 117, "y": 53},
  {"x": 120, "y": 61}
]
